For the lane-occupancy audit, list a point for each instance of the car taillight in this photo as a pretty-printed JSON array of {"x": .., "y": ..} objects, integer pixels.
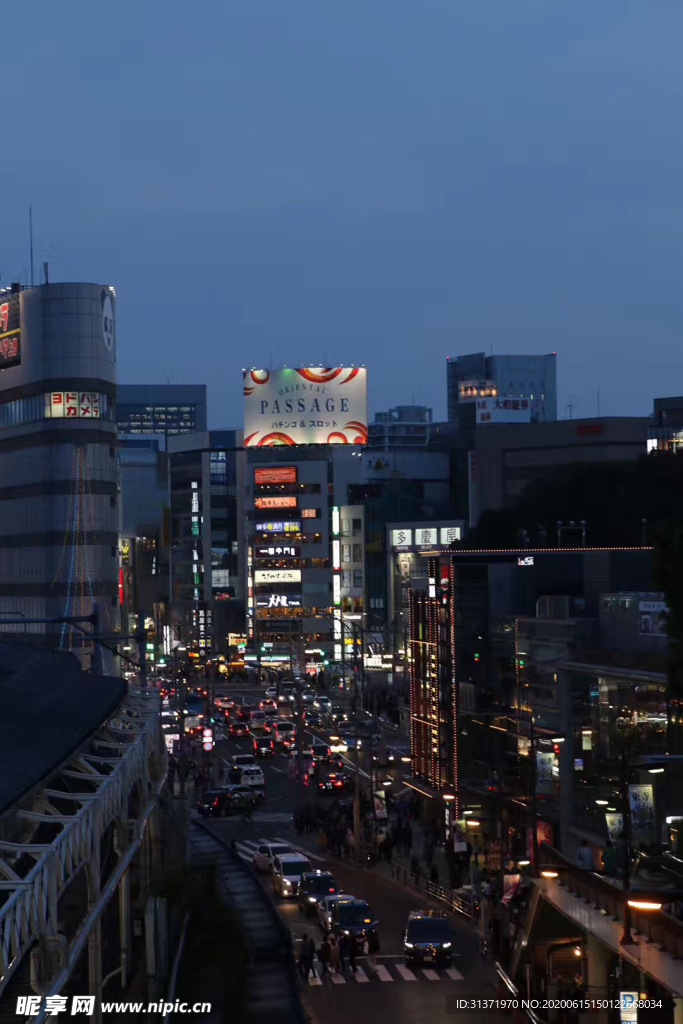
[
  {"x": 333, "y": 890},
  {"x": 215, "y": 803}
]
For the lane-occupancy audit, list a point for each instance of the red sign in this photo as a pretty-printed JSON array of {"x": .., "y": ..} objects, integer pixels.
[
  {"x": 275, "y": 502},
  {"x": 281, "y": 475},
  {"x": 120, "y": 586}
]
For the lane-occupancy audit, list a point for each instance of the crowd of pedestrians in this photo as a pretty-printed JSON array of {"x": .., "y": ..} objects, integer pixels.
[{"x": 336, "y": 954}]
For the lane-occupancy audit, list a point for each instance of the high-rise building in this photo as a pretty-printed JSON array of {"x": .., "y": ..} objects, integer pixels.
[
  {"x": 207, "y": 566},
  {"x": 478, "y": 376},
  {"x": 166, "y": 409},
  {"x": 59, "y": 556},
  {"x": 406, "y": 426}
]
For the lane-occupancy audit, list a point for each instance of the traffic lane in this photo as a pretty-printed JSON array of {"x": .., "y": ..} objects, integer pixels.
[{"x": 401, "y": 1003}]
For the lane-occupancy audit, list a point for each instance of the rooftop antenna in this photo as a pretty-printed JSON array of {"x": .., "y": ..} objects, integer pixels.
[
  {"x": 30, "y": 234},
  {"x": 45, "y": 273},
  {"x": 598, "y": 397},
  {"x": 570, "y": 409}
]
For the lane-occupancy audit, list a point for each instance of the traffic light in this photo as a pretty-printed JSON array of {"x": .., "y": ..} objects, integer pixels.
[
  {"x": 476, "y": 656},
  {"x": 326, "y": 661}
]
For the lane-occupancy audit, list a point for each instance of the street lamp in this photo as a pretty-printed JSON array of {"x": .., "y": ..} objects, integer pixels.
[{"x": 644, "y": 905}]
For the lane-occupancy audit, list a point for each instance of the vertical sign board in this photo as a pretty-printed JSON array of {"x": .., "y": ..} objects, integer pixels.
[{"x": 10, "y": 330}]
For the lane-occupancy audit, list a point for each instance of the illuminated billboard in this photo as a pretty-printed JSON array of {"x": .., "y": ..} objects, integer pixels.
[
  {"x": 278, "y": 600},
  {"x": 275, "y": 475},
  {"x": 10, "y": 330},
  {"x": 278, "y": 551},
  {"x": 275, "y": 501},
  {"x": 280, "y": 526},
  {"x": 305, "y": 406},
  {"x": 277, "y": 576}
]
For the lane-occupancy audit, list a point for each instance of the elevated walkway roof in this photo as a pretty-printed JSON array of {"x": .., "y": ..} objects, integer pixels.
[{"x": 49, "y": 709}]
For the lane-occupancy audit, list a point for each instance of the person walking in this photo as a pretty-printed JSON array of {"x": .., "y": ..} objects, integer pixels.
[
  {"x": 373, "y": 949},
  {"x": 306, "y": 957},
  {"x": 347, "y": 951},
  {"x": 335, "y": 956},
  {"x": 324, "y": 957},
  {"x": 584, "y": 856},
  {"x": 609, "y": 859}
]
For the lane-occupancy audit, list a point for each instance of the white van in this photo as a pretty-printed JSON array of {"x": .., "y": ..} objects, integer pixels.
[
  {"x": 287, "y": 871},
  {"x": 252, "y": 776}
]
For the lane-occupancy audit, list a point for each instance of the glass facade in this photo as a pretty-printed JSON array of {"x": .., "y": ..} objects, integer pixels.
[
  {"x": 157, "y": 419},
  {"x": 37, "y": 407}
]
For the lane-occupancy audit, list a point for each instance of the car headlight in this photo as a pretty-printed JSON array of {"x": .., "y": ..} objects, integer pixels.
[
  {"x": 409, "y": 945},
  {"x": 445, "y": 945},
  {"x": 311, "y": 899},
  {"x": 346, "y": 931}
]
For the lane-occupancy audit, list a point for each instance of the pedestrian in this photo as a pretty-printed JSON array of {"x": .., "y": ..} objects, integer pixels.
[
  {"x": 609, "y": 859},
  {"x": 372, "y": 944},
  {"x": 324, "y": 958},
  {"x": 584, "y": 856},
  {"x": 305, "y": 957},
  {"x": 335, "y": 957},
  {"x": 344, "y": 950}
]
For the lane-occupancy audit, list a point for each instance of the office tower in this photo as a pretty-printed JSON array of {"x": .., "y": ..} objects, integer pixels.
[
  {"x": 166, "y": 409},
  {"x": 478, "y": 376},
  {"x": 58, "y": 458}
]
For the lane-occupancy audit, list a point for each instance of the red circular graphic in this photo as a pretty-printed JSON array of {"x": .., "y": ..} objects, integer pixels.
[
  {"x": 336, "y": 437},
  {"x": 275, "y": 438}
]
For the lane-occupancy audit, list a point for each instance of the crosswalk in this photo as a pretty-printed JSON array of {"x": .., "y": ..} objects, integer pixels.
[
  {"x": 386, "y": 973},
  {"x": 246, "y": 848}
]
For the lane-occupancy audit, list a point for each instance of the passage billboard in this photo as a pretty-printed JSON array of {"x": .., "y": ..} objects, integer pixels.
[{"x": 311, "y": 405}]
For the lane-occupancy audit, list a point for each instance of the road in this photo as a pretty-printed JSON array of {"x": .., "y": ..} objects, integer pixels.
[{"x": 408, "y": 996}]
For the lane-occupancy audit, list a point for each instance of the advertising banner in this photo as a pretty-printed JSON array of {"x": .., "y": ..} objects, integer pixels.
[
  {"x": 10, "y": 330},
  {"x": 544, "y": 772},
  {"x": 277, "y": 576},
  {"x": 615, "y": 826},
  {"x": 278, "y": 600},
  {"x": 276, "y": 501},
  {"x": 380, "y": 805},
  {"x": 642, "y": 806},
  {"x": 278, "y": 551},
  {"x": 309, "y": 405},
  {"x": 280, "y": 526},
  {"x": 275, "y": 475}
]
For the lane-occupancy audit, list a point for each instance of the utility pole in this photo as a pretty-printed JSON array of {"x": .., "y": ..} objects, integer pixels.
[{"x": 626, "y": 938}]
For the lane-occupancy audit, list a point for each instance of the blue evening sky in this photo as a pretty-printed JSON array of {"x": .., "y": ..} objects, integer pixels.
[{"x": 378, "y": 181}]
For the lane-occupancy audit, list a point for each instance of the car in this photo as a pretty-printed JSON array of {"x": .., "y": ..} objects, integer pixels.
[
  {"x": 312, "y": 719},
  {"x": 338, "y": 715},
  {"x": 252, "y": 776},
  {"x": 238, "y": 729},
  {"x": 325, "y": 906},
  {"x": 266, "y": 854},
  {"x": 336, "y": 763},
  {"x": 271, "y": 692},
  {"x": 307, "y": 697},
  {"x": 224, "y": 703},
  {"x": 237, "y": 765},
  {"x": 428, "y": 938},
  {"x": 353, "y": 918},
  {"x": 313, "y": 886},
  {"x": 334, "y": 782},
  {"x": 254, "y": 794},
  {"x": 221, "y": 803},
  {"x": 268, "y": 705},
  {"x": 244, "y": 712},
  {"x": 257, "y": 717},
  {"x": 264, "y": 746},
  {"x": 323, "y": 704},
  {"x": 321, "y": 752},
  {"x": 287, "y": 871},
  {"x": 338, "y": 744}
]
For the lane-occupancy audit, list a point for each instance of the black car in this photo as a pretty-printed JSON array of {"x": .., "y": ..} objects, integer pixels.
[
  {"x": 353, "y": 918},
  {"x": 428, "y": 938},
  {"x": 312, "y": 887},
  {"x": 221, "y": 803},
  {"x": 334, "y": 782}
]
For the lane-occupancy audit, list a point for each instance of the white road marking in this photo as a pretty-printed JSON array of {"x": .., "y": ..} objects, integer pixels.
[
  {"x": 360, "y": 976},
  {"x": 453, "y": 974},
  {"x": 382, "y": 973},
  {"x": 314, "y": 980},
  {"x": 299, "y": 849},
  {"x": 338, "y": 979},
  {"x": 278, "y": 770},
  {"x": 430, "y": 975},
  {"x": 405, "y": 973}
]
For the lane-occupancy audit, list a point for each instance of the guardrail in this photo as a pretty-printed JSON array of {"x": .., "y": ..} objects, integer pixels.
[
  {"x": 400, "y": 871},
  {"x": 609, "y": 895}
]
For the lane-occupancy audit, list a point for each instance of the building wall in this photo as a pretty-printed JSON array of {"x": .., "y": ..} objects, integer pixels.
[
  {"x": 521, "y": 376},
  {"x": 510, "y": 456},
  {"x": 161, "y": 408},
  {"x": 59, "y": 495}
]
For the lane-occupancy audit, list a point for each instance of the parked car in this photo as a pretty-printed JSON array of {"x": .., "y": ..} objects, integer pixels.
[
  {"x": 313, "y": 886},
  {"x": 266, "y": 854},
  {"x": 287, "y": 871},
  {"x": 428, "y": 938}
]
